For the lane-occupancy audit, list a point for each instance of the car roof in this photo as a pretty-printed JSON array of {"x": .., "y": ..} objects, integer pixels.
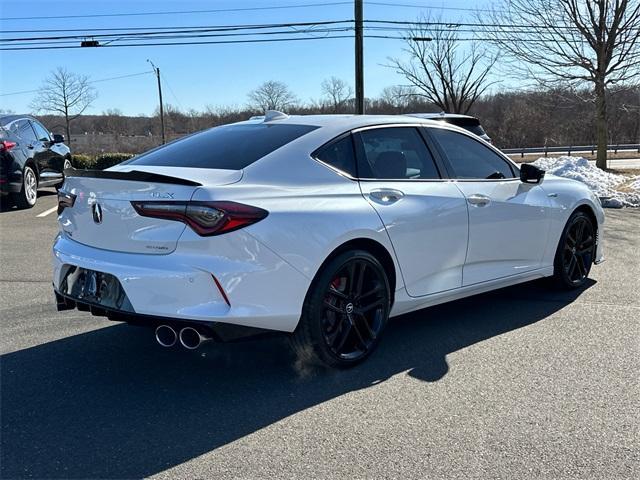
[
  {"x": 331, "y": 126},
  {"x": 440, "y": 115},
  {"x": 339, "y": 122},
  {"x": 4, "y": 119}
]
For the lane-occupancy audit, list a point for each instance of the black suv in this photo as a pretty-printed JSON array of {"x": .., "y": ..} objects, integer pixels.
[
  {"x": 30, "y": 157},
  {"x": 472, "y": 124}
]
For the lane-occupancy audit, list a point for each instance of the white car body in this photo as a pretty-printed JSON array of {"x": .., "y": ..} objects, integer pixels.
[{"x": 446, "y": 238}]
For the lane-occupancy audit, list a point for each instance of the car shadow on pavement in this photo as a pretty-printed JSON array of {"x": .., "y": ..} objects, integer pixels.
[
  {"x": 112, "y": 404},
  {"x": 7, "y": 206}
]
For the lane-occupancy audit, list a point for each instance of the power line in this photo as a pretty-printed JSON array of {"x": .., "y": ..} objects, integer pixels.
[
  {"x": 265, "y": 40},
  {"x": 92, "y": 81},
  {"x": 371, "y": 24},
  {"x": 170, "y": 36},
  {"x": 404, "y": 5},
  {"x": 389, "y": 37},
  {"x": 175, "y": 97},
  {"x": 180, "y": 12},
  {"x": 219, "y": 28}
]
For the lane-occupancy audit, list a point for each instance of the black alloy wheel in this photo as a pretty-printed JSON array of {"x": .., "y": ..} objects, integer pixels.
[
  {"x": 576, "y": 251},
  {"x": 345, "y": 312}
]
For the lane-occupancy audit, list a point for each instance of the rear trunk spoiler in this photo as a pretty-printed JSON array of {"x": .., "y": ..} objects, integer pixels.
[{"x": 133, "y": 175}]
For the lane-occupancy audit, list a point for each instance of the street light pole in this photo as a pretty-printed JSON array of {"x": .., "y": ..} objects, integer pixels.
[
  {"x": 359, "y": 67},
  {"x": 157, "y": 72}
]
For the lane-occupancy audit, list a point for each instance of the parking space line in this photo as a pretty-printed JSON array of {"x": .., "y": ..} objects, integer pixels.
[{"x": 47, "y": 212}]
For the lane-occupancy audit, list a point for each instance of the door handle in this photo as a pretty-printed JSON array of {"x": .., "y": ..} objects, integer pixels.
[
  {"x": 30, "y": 146},
  {"x": 478, "y": 200},
  {"x": 386, "y": 196}
]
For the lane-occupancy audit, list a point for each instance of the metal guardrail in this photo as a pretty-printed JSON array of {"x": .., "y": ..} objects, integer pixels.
[{"x": 571, "y": 149}]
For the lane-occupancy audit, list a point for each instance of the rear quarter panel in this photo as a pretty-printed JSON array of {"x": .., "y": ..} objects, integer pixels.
[{"x": 312, "y": 211}]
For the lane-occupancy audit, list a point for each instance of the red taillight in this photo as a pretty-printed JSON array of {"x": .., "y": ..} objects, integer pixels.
[
  {"x": 205, "y": 218},
  {"x": 6, "y": 145}
]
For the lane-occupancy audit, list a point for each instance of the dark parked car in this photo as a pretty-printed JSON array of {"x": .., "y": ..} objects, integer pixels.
[
  {"x": 467, "y": 122},
  {"x": 30, "y": 158}
]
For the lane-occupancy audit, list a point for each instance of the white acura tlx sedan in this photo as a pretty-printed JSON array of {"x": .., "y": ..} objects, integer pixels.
[{"x": 319, "y": 226}]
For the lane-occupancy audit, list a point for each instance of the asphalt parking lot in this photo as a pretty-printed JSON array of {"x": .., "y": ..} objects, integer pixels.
[{"x": 520, "y": 383}]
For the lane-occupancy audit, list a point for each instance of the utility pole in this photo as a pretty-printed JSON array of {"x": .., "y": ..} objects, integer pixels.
[
  {"x": 359, "y": 58},
  {"x": 157, "y": 72}
]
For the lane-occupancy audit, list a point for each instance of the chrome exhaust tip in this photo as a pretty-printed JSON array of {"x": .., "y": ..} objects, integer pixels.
[
  {"x": 166, "y": 336},
  {"x": 190, "y": 338}
]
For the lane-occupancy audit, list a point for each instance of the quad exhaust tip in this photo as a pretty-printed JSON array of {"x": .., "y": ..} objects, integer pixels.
[
  {"x": 166, "y": 336},
  {"x": 190, "y": 338}
]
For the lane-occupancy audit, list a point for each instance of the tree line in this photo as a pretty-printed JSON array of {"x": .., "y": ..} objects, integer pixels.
[
  {"x": 552, "y": 117},
  {"x": 582, "y": 57}
]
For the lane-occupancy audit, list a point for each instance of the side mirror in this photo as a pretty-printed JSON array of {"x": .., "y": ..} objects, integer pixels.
[
  {"x": 57, "y": 138},
  {"x": 530, "y": 173}
]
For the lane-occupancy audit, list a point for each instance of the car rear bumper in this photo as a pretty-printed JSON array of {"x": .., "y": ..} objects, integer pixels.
[
  {"x": 10, "y": 185},
  {"x": 231, "y": 279}
]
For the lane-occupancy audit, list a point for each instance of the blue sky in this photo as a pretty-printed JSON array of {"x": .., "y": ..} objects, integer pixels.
[{"x": 196, "y": 76}]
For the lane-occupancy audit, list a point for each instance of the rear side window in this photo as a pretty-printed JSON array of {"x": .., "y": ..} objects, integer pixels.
[
  {"x": 340, "y": 155},
  {"x": 396, "y": 153},
  {"x": 24, "y": 131},
  {"x": 228, "y": 147},
  {"x": 469, "y": 158}
]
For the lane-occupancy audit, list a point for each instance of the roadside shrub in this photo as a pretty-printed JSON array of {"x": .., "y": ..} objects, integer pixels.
[
  {"x": 99, "y": 162},
  {"x": 107, "y": 160},
  {"x": 82, "y": 161}
]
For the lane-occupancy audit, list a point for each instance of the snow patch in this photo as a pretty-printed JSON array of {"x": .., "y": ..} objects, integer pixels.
[{"x": 614, "y": 190}]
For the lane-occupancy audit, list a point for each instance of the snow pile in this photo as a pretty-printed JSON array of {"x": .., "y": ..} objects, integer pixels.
[
  {"x": 614, "y": 190},
  {"x": 635, "y": 185}
]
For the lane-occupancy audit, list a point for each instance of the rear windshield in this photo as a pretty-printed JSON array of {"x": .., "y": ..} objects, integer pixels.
[{"x": 228, "y": 147}]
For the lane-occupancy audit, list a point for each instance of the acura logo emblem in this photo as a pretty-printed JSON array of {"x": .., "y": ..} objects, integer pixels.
[{"x": 97, "y": 212}]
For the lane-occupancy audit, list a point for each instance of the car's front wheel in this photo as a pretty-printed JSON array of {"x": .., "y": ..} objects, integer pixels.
[
  {"x": 576, "y": 251},
  {"x": 28, "y": 195},
  {"x": 345, "y": 311}
]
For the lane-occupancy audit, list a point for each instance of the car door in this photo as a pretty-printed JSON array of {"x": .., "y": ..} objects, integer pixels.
[
  {"x": 508, "y": 220},
  {"x": 425, "y": 215},
  {"x": 49, "y": 162}
]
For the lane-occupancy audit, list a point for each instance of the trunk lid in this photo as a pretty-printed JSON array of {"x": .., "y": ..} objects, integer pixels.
[{"x": 102, "y": 215}]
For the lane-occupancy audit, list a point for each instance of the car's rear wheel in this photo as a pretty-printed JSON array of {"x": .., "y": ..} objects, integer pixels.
[
  {"x": 576, "y": 251},
  {"x": 28, "y": 195},
  {"x": 345, "y": 312}
]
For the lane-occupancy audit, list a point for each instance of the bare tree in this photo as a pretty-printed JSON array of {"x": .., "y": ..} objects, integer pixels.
[
  {"x": 399, "y": 97},
  {"x": 574, "y": 43},
  {"x": 114, "y": 121},
  {"x": 442, "y": 70},
  {"x": 65, "y": 93},
  {"x": 271, "y": 95},
  {"x": 337, "y": 92}
]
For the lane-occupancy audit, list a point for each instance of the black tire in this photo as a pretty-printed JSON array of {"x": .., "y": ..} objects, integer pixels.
[
  {"x": 575, "y": 252},
  {"x": 28, "y": 194},
  {"x": 345, "y": 311}
]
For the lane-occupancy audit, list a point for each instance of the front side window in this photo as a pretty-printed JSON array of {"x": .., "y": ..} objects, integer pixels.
[
  {"x": 228, "y": 147},
  {"x": 339, "y": 155},
  {"x": 41, "y": 132},
  {"x": 469, "y": 158},
  {"x": 396, "y": 153}
]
